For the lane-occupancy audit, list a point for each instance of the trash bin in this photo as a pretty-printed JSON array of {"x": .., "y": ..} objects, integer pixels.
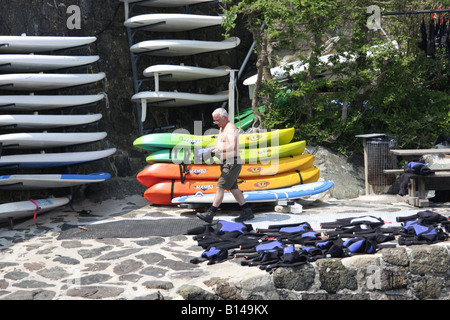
[
  {"x": 380, "y": 158},
  {"x": 377, "y": 158}
]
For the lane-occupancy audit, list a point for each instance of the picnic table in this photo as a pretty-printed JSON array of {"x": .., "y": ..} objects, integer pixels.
[{"x": 419, "y": 184}]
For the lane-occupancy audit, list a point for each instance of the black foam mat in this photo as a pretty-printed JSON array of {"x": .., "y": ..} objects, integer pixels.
[{"x": 130, "y": 229}]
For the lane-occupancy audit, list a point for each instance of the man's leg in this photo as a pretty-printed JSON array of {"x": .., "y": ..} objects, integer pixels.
[
  {"x": 218, "y": 197},
  {"x": 209, "y": 215},
  {"x": 238, "y": 196},
  {"x": 247, "y": 213}
]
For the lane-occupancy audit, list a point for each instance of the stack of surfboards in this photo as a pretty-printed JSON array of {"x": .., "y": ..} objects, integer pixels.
[
  {"x": 29, "y": 65},
  {"x": 270, "y": 161},
  {"x": 176, "y": 22}
]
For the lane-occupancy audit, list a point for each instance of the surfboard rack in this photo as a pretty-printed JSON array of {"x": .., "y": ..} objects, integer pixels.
[{"x": 141, "y": 112}]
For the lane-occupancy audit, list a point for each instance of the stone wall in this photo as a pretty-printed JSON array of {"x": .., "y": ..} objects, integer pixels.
[{"x": 401, "y": 273}]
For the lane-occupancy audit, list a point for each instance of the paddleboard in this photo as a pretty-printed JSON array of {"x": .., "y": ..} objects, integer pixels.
[
  {"x": 47, "y": 160},
  {"x": 29, "y": 208},
  {"x": 48, "y": 81},
  {"x": 273, "y": 195},
  {"x": 44, "y": 181},
  {"x": 165, "y": 3},
  {"x": 178, "y": 99},
  {"x": 46, "y": 102},
  {"x": 48, "y": 140},
  {"x": 172, "y": 47},
  {"x": 175, "y": 99},
  {"x": 248, "y": 155},
  {"x": 171, "y": 140},
  {"x": 29, "y": 44},
  {"x": 40, "y": 121},
  {"x": 172, "y": 22},
  {"x": 167, "y": 171},
  {"x": 17, "y": 63},
  {"x": 175, "y": 73},
  {"x": 164, "y": 191}
]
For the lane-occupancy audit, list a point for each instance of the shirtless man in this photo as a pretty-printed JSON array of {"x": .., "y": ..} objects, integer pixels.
[{"x": 226, "y": 150}]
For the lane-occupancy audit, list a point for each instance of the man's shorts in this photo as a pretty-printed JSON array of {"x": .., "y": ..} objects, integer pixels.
[{"x": 229, "y": 176}]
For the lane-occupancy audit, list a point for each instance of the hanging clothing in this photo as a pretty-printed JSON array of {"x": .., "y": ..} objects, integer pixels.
[
  {"x": 431, "y": 48},
  {"x": 444, "y": 35},
  {"x": 447, "y": 41},
  {"x": 438, "y": 33},
  {"x": 423, "y": 35}
]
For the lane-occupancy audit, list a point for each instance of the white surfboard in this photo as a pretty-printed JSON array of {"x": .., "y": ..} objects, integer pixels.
[
  {"x": 18, "y": 63},
  {"x": 29, "y": 208},
  {"x": 46, "y": 102},
  {"x": 29, "y": 44},
  {"x": 175, "y": 99},
  {"x": 172, "y": 47},
  {"x": 175, "y": 73},
  {"x": 47, "y": 160},
  {"x": 39, "y": 140},
  {"x": 165, "y": 3},
  {"x": 42, "y": 81},
  {"x": 44, "y": 181},
  {"x": 172, "y": 22},
  {"x": 178, "y": 99},
  {"x": 44, "y": 121}
]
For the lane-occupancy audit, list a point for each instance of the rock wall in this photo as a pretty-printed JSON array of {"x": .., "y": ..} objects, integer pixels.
[{"x": 401, "y": 273}]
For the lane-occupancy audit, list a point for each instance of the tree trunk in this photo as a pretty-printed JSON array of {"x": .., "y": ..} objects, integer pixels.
[{"x": 263, "y": 70}]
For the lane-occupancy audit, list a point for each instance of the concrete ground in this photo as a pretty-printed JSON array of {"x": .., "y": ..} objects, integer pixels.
[{"x": 35, "y": 265}]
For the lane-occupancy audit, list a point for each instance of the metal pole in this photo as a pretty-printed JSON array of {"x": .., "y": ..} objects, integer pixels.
[
  {"x": 231, "y": 95},
  {"x": 398, "y": 13}
]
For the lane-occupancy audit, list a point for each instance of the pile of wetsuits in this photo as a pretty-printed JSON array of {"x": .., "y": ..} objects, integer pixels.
[{"x": 291, "y": 245}]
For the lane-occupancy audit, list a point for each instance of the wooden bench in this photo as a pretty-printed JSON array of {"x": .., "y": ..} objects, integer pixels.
[
  {"x": 418, "y": 185},
  {"x": 417, "y": 153}
]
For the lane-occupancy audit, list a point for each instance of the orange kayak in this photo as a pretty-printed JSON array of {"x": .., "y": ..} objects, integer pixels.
[
  {"x": 167, "y": 170},
  {"x": 164, "y": 191}
]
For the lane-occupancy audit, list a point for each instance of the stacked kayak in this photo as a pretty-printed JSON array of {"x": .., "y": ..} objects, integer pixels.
[
  {"x": 245, "y": 118},
  {"x": 270, "y": 161}
]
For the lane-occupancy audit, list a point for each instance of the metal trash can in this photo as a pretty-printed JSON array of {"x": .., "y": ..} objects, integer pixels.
[{"x": 377, "y": 158}]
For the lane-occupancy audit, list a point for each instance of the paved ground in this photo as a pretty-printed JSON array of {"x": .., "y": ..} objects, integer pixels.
[{"x": 34, "y": 264}]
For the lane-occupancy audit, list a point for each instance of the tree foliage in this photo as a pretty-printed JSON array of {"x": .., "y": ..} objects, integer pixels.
[{"x": 367, "y": 84}]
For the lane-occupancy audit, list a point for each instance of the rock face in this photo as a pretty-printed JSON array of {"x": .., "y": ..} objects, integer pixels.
[
  {"x": 348, "y": 172},
  {"x": 104, "y": 20}
]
